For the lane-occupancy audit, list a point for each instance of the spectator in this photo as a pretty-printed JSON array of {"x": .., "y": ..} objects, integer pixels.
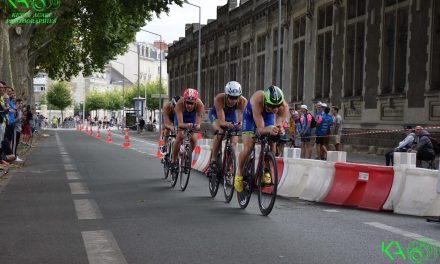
[
  {"x": 55, "y": 122},
  {"x": 323, "y": 125},
  {"x": 403, "y": 146},
  {"x": 295, "y": 127},
  {"x": 337, "y": 128},
  {"x": 4, "y": 100},
  {"x": 141, "y": 124},
  {"x": 306, "y": 133},
  {"x": 9, "y": 132},
  {"x": 7, "y": 154},
  {"x": 27, "y": 130},
  {"x": 17, "y": 127},
  {"x": 423, "y": 145}
]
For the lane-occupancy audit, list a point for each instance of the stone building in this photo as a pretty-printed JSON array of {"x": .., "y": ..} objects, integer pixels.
[{"x": 378, "y": 60}]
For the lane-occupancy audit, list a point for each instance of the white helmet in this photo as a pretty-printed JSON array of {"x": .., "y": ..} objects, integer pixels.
[{"x": 233, "y": 88}]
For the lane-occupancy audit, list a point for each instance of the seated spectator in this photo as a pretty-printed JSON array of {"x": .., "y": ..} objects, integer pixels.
[
  {"x": 403, "y": 146},
  {"x": 423, "y": 145}
]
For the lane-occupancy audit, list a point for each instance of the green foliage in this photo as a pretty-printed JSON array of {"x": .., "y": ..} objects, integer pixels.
[
  {"x": 96, "y": 101},
  {"x": 151, "y": 87},
  {"x": 59, "y": 95},
  {"x": 43, "y": 100},
  {"x": 114, "y": 100},
  {"x": 88, "y": 34}
]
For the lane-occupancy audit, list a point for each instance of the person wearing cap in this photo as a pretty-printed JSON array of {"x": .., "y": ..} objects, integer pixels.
[
  {"x": 306, "y": 132},
  {"x": 322, "y": 130},
  {"x": 336, "y": 130},
  {"x": 294, "y": 127}
]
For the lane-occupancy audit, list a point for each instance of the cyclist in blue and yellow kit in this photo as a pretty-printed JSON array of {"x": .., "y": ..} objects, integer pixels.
[
  {"x": 227, "y": 112},
  {"x": 265, "y": 113}
]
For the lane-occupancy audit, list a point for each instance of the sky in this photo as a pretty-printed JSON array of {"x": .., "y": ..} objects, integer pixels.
[{"x": 172, "y": 26}]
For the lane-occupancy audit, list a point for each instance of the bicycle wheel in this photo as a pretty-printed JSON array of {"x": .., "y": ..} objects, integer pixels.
[
  {"x": 229, "y": 175},
  {"x": 175, "y": 174},
  {"x": 267, "y": 192},
  {"x": 185, "y": 169},
  {"x": 166, "y": 162},
  {"x": 214, "y": 175},
  {"x": 245, "y": 196}
]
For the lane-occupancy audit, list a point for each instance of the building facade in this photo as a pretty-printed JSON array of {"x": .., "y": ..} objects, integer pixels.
[{"x": 378, "y": 60}]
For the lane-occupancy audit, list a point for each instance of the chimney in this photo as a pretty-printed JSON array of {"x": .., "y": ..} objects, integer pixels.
[{"x": 233, "y": 4}]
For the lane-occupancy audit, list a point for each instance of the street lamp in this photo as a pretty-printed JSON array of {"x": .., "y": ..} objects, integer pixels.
[
  {"x": 278, "y": 80},
  {"x": 160, "y": 77},
  {"x": 199, "y": 62},
  {"x": 123, "y": 92}
]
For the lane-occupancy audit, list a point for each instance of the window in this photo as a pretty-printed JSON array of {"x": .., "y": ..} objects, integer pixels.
[
  {"x": 245, "y": 72},
  {"x": 188, "y": 75},
  {"x": 221, "y": 71},
  {"x": 233, "y": 64},
  {"x": 395, "y": 42},
  {"x": 195, "y": 68},
  {"x": 182, "y": 77},
  {"x": 274, "y": 58},
  {"x": 298, "y": 56},
  {"x": 354, "y": 43},
  {"x": 435, "y": 51},
  {"x": 261, "y": 47},
  {"x": 324, "y": 49}
]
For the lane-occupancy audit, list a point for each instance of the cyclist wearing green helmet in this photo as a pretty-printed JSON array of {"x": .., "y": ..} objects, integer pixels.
[{"x": 265, "y": 113}]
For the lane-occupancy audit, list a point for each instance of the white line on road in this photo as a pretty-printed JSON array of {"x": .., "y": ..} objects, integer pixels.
[
  {"x": 139, "y": 140},
  {"x": 72, "y": 175},
  {"x": 69, "y": 167},
  {"x": 87, "y": 209},
  {"x": 64, "y": 153},
  {"x": 331, "y": 211},
  {"x": 404, "y": 233},
  {"x": 78, "y": 188},
  {"x": 102, "y": 248}
]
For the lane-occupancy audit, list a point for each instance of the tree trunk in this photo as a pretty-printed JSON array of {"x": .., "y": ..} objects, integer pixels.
[
  {"x": 19, "y": 44},
  {"x": 5, "y": 54}
]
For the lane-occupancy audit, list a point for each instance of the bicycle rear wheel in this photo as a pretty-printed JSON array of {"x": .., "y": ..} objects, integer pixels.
[
  {"x": 245, "y": 196},
  {"x": 175, "y": 174},
  {"x": 185, "y": 169},
  {"x": 267, "y": 192},
  {"x": 229, "y": 175},
  {"x": 214, "y": 176}
]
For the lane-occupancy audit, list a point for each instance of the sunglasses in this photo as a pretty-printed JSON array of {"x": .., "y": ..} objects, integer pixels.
[
  {"x": 233, "y": 98},
  {"x": 189, "y": 103}
]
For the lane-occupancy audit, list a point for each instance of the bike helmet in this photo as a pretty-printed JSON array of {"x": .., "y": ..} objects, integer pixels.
[
  {"x": 273, "y": 96},
  {"x": 191, "y": 94},
  {"x": 233, "y": 88},
  {"x": 174, "y": 100}
]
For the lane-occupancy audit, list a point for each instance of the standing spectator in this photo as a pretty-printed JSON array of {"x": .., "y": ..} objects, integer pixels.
[
  {"x": 337, "y": 128},
  {"x": 423, "y": 147},
  {"x": 4, "y": 100},
  {"x": 306, "y": 132},
  {"x": 17, "y": 127},
  {"x": 322, "y": 129},
  {"x": 27, "y": 131},
  {"x": 294, "y": 128},
  {"x": 141, "y": 124},
  {"x": 9, "y": 133},
  {"x": 403, "y": 146}
]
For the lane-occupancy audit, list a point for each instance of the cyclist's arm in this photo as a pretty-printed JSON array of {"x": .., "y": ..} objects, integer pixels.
[
  {"x": 200, "y": 112},
  {"x": 240, "y": 109},
  {"x": 218, "y": 104},
  {"x": 257, "y": 109},
  {"x": 178, "y": 109}
]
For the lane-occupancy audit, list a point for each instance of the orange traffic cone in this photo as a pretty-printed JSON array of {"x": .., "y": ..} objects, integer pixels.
[
  {"x": 159, "y": 148},
  {"x": 199, "y": 136},
  {"x": 109, "y": 137},
  {"x": 86, "y": 128},
  {"x": 98, "y": 134},
  {"x": 91, "y": 131},
  {"x": 127, "y": 140}
]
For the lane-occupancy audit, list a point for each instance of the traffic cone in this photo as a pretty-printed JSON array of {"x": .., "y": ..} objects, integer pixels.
[
  {"x": 98, "y": 134},
  {"x": 109, "y": 137},
  {"x": 91, "y": 131},
  {"x": 199, "y": 136},
  {"x": 159, "y": 148},
  {"x": 127, "y": 140}
]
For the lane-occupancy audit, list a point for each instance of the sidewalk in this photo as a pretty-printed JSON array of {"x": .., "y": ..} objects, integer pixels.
[{"x": 362, "y": 158}]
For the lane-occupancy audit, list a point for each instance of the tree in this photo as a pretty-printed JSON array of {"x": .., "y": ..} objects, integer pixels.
[
  {"x": 59, "y": 96},
  {"x": 96, "y": 101},
  {"x": 154, "y": 88},
  {"x": 85, "y": 37},
  {"x": 114, "y": 100}
]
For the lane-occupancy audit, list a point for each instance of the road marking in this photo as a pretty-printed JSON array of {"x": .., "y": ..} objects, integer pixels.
[
  {"x": 87, "y": 209},
  {"x": 64, "y": 153},
  {"x": 78, "y": 188},
  {"x": 72, "y": 175},
  {"x": 331, "y": 211},
  {"x": 404, "y": 233},
  {"x": 139, "y": 140},
  {"x": 67, "y": 159},
  {"x": 69, "y": 167},
  {"x": 102, "y": 248}
]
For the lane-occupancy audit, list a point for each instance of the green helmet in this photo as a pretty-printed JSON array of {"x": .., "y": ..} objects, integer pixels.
[{"x": 273, "y": 96}]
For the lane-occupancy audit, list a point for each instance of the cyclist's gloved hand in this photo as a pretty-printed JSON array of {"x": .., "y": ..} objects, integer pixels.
[
  {"x": 275, "y": 130},
  {"x": 196, "y": 126},
  {"x": 238, "y": 126}
]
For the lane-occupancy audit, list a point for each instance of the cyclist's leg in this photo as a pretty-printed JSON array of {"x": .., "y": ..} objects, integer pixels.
[
  {"x": 177, "y": 142},
  {"x": 218, "y": 138}
]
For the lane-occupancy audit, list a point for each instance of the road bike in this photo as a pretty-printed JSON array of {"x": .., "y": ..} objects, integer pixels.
[
  {"x": 252, "y": 178},
  {"x": 183, "y": 161},
  {"x": 166, "y": 160},
  {"x": 225, "y": 168}
]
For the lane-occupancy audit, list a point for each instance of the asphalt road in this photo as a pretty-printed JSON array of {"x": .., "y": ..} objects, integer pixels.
[{"x": 81, "y": 200}]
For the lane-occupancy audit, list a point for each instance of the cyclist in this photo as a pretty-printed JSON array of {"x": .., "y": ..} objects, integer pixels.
[
  {"x": 168, "y": 114},
  {"x": 224, "y": 114},
  {"x": 189, "y": 112},
  {"x": 265, "y": 113}
]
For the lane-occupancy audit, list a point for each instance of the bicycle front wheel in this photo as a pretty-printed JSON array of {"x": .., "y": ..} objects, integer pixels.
[
  {"x": 267, "y": 184},
  {"x": 229, "y": 175},
  {"x": 185, "y": 169},
  {"x": 175, "y": 173}
]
